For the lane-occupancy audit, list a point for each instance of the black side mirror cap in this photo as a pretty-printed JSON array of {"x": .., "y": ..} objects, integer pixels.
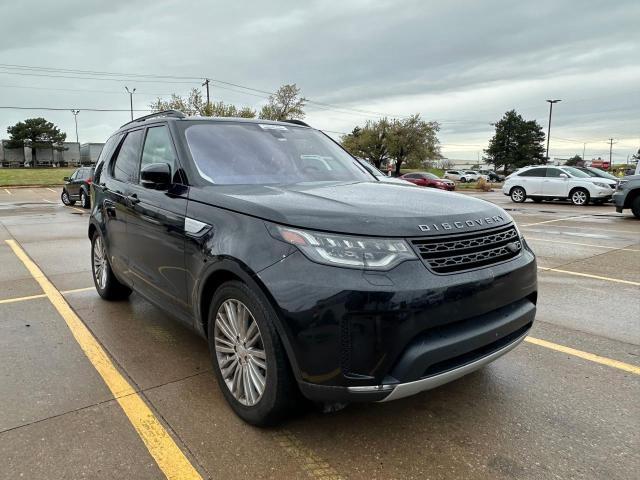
[
  {"x": 156, "y": 175},
  {"x": 66, "y": 179}
]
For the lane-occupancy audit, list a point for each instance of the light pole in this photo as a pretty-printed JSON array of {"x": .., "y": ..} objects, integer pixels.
[
  {"x": 130, "y": 92},
  {"x": 551, "y": 102},
  {"x": 75, "y": 118}
]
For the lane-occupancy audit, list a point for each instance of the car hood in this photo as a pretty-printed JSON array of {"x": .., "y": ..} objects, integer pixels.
[{"x": 363, "y": 208}]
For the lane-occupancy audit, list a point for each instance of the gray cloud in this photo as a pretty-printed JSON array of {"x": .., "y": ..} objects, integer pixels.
[{"x": 461, "y": 63}]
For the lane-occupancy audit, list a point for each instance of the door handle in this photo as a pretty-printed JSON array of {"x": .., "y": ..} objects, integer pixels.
[{"x": 132, "y": 199}]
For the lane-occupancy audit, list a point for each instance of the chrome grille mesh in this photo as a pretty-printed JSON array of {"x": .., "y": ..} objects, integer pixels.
[{"x": 456, "y": 253}]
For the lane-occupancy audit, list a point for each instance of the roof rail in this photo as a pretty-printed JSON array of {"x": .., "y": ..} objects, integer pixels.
[
  {"x": 163, "y": 113},
  {"x": 297, "y": 122}
]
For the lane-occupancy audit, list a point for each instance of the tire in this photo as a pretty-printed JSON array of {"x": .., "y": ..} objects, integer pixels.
[
  {"x": 228, "y": 348},
  {"x": 85, "y": 200},
  {"x": 105, "y": 281},
  {"x": 635, "y": 206},
  {"x": 579, "y": 197},
  {"x": 463, "y": 180},
  {"x": 66, "y": 199},
  {"x": 518, "y": 195}
]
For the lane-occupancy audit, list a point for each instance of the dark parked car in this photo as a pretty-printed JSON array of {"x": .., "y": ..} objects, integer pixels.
[
  {"x": 305, "y": 274},
  {"x": 76, "y": 187},
  {"x": 426, "y": 179},
  {"x": 627, "y": 194}
]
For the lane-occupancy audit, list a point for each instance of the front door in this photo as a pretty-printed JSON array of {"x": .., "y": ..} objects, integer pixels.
[
  {"x": 555, "y": 185},
  {"x": 156, "y": 228}
]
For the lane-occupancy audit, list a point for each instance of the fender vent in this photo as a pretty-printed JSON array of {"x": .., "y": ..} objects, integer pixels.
[{"x": 458, "y": 253}]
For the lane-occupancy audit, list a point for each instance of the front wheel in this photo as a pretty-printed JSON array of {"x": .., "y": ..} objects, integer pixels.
[
  {"x": 66, "y": 199},
  {"x": 580, "y": 197},
  {"x": 463, "y": 180},
  {"x": 635, "y": 207},
  {"x": 248, "y": 358},
  {"x": 518, "y": 195},
  {"x": 105, "y": 281}
]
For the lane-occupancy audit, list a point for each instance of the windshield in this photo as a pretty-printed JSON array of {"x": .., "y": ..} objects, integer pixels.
[
  {"x": 250, "y": 153},
  {"x": 574, "y": 172},
  {"x": 431, "y": 176},
  {"x": 596, "y": 172}
]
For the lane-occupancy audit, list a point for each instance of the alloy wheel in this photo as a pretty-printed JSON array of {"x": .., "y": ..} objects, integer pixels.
[
  {"x": 517, "y": 195},
  {"x": 240, "y": 352},
  {"x": 65, "y": 198},
  {"x": 579, "y": 197},
  {"x": 99, "y": 263}
]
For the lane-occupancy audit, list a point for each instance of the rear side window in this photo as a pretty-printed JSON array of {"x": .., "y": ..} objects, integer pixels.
[
  {"x": 158, "y": 148},
  {"x": 534, "y": 172},
  {"x": 125, "y": 167}
]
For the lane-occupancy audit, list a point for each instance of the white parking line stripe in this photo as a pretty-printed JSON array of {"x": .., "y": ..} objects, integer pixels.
[
  {"x": 48, "y": 201},
  {"x": 52, "y": 190},
  {"x": 588, "y": 275},
  {"x": 6, "y": 190},
  {"x": 580, "y": 244},
  {"x": 600, "y": 228},
  {"x": 551, "y": 221}
]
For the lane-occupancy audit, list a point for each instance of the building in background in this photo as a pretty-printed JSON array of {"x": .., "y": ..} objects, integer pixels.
[
  {"x": 89, "y": 152},
  {"x": 45, "y": 157}
]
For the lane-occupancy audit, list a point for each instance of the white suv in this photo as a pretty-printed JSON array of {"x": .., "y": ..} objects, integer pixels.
[
  {"x": 461, "y": 175},
  {"x": 540, "y": 183}
]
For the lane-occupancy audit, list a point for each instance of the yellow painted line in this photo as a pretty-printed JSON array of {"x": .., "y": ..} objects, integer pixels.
[
  {"x": 48, "y": 201},
  {"x": 52, "y": 190},
  {"x": 161, "y": 446},
  {"x": 627, "y": 367},
  {"x": 22, "y": 299},
  {"x": 78, "y": 209},
  {"x": 6, "y": 190},
  {"x": 314, "y": 466},
  {"x": 551, "y": 221},
  {"x": 588, "y": 275},
  {"x": 581, "y": 244}
]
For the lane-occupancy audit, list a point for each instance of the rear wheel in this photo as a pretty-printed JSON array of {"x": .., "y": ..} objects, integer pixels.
[
  {"x": 463, "y": 180},
  {"x": 579, "y": 197},
  {"x": 248, "y": 357},
  {"x": 85, "y": 201},
  {"x": 635, "y": 206},
  {"x": 66, "y": 199},
  {"x": 518, "y": 195},
  {"x": 106, "y": 283}
]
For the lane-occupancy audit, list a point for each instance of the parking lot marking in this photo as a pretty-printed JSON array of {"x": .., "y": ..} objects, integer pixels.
[
  {"x": 77, "y": 290},
  {"x": 555, "y": 220},
  {"x": 314, "y": 466},
  {"x": 608, "y": 230},
  {"x": 627, "y": 367},
  {"x": 168, "y": 456},
  {"x": 588, "y": 275},
  {"x": 22, "y": 299},
  {"x": 6, "y": 190},
  {"x": 52, "y": 190},
  {"x": 582, "y": 244},
  {"x": 48, "y": 201}
]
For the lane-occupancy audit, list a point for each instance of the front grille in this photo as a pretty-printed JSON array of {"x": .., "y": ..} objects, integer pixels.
[{"x": 457, "y": 253}]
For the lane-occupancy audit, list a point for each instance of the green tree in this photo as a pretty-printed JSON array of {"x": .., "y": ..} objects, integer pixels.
[
  {"x": 636, "y": 156},
  {"x": 516, "y": 143},
  {"x": 195, "y": 104},
  {"x": 285, "y": 104},
  {"x": 412, "y": 140},
  {"x": 369, "y": 142},
  {"x": 575, "y": 160},
  {"x": 36, "y": 133}
]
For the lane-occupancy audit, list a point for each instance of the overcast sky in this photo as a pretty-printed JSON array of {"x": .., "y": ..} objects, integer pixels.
[{"x": 461, "y": 63}]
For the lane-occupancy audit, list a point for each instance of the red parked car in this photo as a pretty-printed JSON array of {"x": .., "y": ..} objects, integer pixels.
[{"x": 425, "y": 179}]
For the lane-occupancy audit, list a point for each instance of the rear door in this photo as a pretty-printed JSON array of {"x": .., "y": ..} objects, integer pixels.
[
  {"x": 554, "y": 185},
  {"x": 156, "y": 227},
  {"x": 532, "y": 180},
  {"x": 116, "y": 182},
  {"x": 73, "y": 187}
]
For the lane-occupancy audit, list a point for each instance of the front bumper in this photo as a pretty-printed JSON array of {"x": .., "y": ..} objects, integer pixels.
[
  {"x": 356, "y": 336},
  {"x": 619, "y": 198}
]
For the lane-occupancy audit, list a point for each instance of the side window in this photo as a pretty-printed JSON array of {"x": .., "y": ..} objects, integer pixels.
[
  {"x": 125, "y": 167},
  {"x": 74, "y": 176},
  {"x": 105, "y": 155},
  {"x": 158, "y": 148},
  {"x": 411, "y": 175},
  {"x": 534, "y": 172},
  {"x": 554, "y": 172}
]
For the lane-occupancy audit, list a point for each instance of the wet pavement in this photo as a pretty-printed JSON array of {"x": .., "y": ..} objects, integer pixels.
[{"x": 537, "y": 413}]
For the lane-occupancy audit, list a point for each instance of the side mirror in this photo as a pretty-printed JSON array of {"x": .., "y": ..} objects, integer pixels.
[
  {"x": 156, "y": 175},
  {"x": 66, "y": 179},
  {"x": 564, "y": 175}
]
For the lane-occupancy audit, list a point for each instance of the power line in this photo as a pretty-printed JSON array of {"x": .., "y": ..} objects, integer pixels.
[{"x": 55, "y": 109}]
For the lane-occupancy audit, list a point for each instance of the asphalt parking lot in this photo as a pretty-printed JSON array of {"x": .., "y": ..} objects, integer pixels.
[{"x": 564, "y": 404}]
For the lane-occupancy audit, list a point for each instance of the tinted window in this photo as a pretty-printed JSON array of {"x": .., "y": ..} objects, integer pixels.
[
  {"x": 125, "y": 167},
  {"x": 410, "y": 175},
  {"x": 574, "y": 172},
  {"x": 533, "y": 172},
  {"x": 251, "y": 153},
  {"x": 554, "y": 172},
  {"x": 158, "y": 148}
]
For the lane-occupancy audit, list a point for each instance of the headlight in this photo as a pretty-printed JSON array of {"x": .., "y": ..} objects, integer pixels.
[
  {"x": 346, "y": 251},
  {"x": 601, "y": 185}
]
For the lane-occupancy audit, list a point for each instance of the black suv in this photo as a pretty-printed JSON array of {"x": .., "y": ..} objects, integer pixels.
[
  {"x": 303, "y": 271},
  {"x": 76, "y": 187}
]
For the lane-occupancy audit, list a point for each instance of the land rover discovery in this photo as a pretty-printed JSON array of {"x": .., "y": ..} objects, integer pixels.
[{"x": 305, "y": 274}]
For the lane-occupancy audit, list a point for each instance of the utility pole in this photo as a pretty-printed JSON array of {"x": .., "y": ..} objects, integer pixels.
[
  {"x": 75, "y": 117},
  {"x": 611, "y": 142},
  {"x": 206, "y": 84},
  {"x": 551, "y": 102},
  {"x": 130, "y": 92},
  {"x": 584, "y": 147}
]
